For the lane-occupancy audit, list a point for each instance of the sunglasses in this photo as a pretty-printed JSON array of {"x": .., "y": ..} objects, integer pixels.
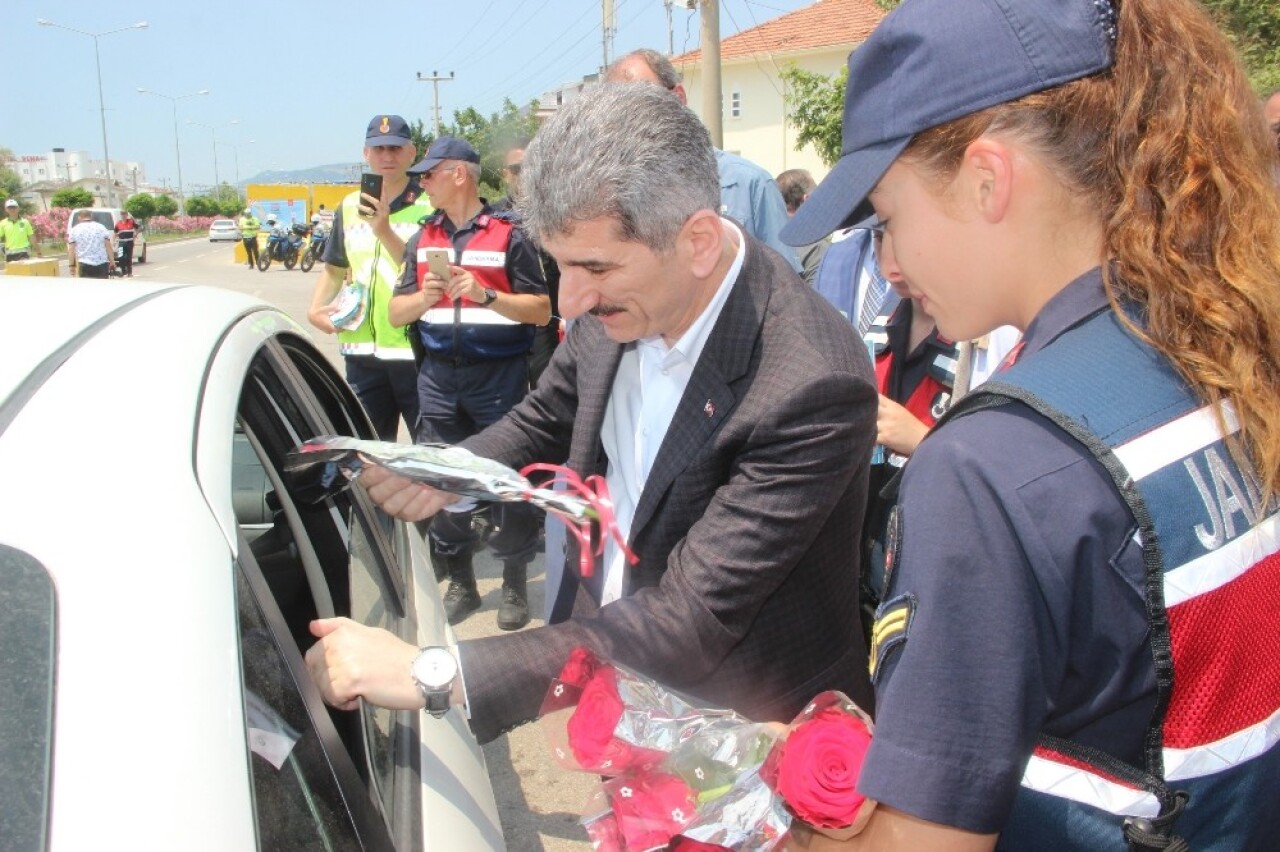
[{"x": 513, "y": 169}]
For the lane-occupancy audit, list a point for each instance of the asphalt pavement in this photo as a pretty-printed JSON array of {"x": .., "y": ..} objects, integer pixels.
[{"x": 539, "y": 803}]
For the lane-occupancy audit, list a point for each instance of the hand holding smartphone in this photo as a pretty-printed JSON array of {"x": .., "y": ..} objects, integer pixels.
[
  {"x": 370, "y": 184},
  {"x": 438, "y": 263}
]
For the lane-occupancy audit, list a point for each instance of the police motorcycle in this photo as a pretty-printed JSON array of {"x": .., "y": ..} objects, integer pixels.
[
  {"x": 284, "y": 244},
  {"x": 315, "y": 245}
]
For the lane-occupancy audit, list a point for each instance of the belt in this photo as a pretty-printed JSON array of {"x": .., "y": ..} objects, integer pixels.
[{"x": 461, "y": 361}]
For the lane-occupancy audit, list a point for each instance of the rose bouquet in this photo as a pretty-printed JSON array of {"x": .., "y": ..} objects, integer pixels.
[
  {"x": 678, "y": 773},
  {"x": 324, "y": 466}
]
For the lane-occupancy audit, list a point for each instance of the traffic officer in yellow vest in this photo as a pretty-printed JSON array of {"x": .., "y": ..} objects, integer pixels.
[
  {"x": 16, "y": 234},
  {"x": 368, "y": 238},
  {"x": 249, "y": 226},
  {"x": 476, "y": 330}
]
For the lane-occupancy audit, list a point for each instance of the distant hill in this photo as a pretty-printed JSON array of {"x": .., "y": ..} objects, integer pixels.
[{"x": 332, "y": 173}]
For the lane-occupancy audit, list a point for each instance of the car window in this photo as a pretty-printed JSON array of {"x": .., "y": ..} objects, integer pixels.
[
  {"x": 28, "y": 645},
  {"x": 297, "y": 804},
  {"x": 344, "y": 556}
]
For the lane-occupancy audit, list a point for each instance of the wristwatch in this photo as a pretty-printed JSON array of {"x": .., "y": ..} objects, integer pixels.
[
  {"x": 434, "y": 670},
  {"x": 490, "y": 295}
]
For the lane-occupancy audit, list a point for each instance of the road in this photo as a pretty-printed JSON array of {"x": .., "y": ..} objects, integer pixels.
[{"x": 539, "y": 804}]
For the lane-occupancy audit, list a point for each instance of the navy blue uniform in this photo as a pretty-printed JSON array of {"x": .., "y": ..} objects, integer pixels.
[
  {"x": 460, "y": 392},
  {"x": 1017, "y": 588}
]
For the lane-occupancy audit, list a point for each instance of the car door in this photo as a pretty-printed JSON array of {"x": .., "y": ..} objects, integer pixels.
[{"x": 344, "y": 557}]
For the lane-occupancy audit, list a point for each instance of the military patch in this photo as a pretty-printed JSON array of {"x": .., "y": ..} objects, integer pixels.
[
  {"x": 893, "y": 623},
  {"x": 892, "y": 544}
]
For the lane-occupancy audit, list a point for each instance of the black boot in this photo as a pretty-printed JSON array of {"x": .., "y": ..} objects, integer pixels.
[
  {"x": 462, "y": 598},
  {"x": 513, "y": 613}
]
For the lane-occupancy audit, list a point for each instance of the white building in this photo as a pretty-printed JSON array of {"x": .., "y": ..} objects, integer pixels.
[
  {"x": 817, "y": 38},
  {"x": 64, "y": 167}
]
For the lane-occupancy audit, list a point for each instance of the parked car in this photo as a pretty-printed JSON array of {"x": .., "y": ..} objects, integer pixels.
[
  {"x": 158, "y": 576},
  {"x": 224, "y": 229},
  {"x": 107, "y": 217}
]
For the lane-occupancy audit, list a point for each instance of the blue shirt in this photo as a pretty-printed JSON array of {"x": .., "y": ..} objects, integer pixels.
[
  {"x": 751, "y": 198},
  {"x": 1018, "y": 557}
]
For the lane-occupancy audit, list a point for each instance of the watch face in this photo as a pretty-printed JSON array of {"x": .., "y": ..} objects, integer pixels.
[{"x": 435, "y": 668}]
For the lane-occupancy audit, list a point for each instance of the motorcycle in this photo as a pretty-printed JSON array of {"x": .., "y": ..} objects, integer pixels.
[
  {"x": 315, "y": 247},
  {"x": 284, "y": 245}
]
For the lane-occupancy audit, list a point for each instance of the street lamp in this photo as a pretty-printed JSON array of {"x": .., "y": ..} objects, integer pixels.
[
  {"x": 177, "y": 149},
  {"x": 235, "y": 150},
  {"x": 102, "y": 108},
  {"x": 213, "y": 134}
]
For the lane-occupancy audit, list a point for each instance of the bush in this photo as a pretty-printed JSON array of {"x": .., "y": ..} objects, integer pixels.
[
  {"x": 141, "y": 206},
  {"x": 72, "y": 197},
  {"x": 165, "y": 206},
  {"x": 51, "y": 225}
]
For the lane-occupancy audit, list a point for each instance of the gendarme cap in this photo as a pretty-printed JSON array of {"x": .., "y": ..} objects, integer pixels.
[
  {"x": 933, "y": 61},
  {"x": 445, "y": 148},
  {"x": 387, "y": 130}
]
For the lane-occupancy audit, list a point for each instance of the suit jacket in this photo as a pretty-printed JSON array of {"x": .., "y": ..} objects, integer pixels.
[{"x": 746, "y": 592}]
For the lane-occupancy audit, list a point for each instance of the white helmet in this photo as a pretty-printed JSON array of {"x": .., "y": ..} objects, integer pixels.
[
  {"x": 315, "y": 217},
  {"x": 271, "y": 220}
]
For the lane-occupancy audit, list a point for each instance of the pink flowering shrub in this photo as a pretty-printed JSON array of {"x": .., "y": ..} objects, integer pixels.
[{"x": 51, "y": 225}]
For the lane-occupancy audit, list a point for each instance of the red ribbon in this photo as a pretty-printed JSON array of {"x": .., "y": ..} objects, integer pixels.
[{"x": 595, "y": 491}]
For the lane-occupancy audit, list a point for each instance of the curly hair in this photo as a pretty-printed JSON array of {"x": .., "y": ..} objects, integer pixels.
[{"x": 1168, "y": 146}]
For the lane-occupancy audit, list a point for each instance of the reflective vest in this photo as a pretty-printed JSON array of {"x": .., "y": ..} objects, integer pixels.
[
  {"x": 373, "y": 266},
  {"x": 1210, "y": 545},
  {"x": 470, "y": 330},
  {"x": 16, "y": 234},
  {"x": 932, "y": 396},
  {"x": 126, "y": 232},
  {"x": 249, "y": 226}
]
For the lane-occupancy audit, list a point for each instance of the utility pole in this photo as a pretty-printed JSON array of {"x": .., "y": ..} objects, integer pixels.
[
  {"x": 671, "y": 38},
  {"x": 713, "y": 108},
  {"x": 608, "y": 29},
  {"x": 435, "y": 79}
]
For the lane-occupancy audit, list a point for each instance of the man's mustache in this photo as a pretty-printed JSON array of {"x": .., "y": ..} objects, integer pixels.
[{"x": 605, "y": 310}]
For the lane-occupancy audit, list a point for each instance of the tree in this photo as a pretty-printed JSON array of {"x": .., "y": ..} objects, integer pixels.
[
  {"x": 815, "y": 107},
  {"x": 491, "y": 137},
  {"x": 165, "y": 206},
  {"x": 1254, "y": 28},
  {"x": 202, "y": 205},
  {"x": 10, "y": 182},
  {"x": 141, "y": 206},
  {"x": 72, "y": 196}
]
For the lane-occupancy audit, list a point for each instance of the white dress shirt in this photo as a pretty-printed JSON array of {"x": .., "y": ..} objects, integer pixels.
[{"x": 651, "y": 379}]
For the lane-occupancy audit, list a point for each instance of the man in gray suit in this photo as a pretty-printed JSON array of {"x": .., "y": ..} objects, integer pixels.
[{"x": 731, "y": 410}]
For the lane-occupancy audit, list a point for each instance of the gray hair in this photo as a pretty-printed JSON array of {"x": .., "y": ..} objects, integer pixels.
[
  {"x": 629, "y": 152},
  {"x": 658, "y": 63},
  {"x": 473, "y": 169}
]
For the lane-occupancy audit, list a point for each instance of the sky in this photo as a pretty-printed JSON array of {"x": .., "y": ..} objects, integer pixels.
[{"x": 293, "y": 85}]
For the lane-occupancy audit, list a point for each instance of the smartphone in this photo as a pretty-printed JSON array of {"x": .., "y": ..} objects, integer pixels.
[
  {"x": 370, "y": 184},
  {"x": 438, "y": 262}
]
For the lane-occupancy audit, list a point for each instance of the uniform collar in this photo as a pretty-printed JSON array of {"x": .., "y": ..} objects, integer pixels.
[{"x": 1073, "y": 304}]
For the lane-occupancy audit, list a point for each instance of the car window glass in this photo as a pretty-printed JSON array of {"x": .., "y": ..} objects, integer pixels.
[
  {"x": 361, "y": 553},
  {"x": 298, "y": 805},
  {"x": 27, "y": 650}
]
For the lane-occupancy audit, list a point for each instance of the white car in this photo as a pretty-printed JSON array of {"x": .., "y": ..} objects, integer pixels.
[
  {"x": 157, "y": 575},
  {"x": 107, "y": 217},
  {"x": 224, "y": 229}
]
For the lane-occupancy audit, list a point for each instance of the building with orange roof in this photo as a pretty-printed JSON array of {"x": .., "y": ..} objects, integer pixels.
[{"x": 816, "y": 38}]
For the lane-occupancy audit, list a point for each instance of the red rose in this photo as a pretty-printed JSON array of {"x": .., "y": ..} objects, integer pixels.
[
  {"x": 651, "y": 807},
  {"x": 592, "y": 724},
  {"x": 817, "y": 771},
  {"x": 604, "y": 833},
  {"x": 579, "y": 668}
]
